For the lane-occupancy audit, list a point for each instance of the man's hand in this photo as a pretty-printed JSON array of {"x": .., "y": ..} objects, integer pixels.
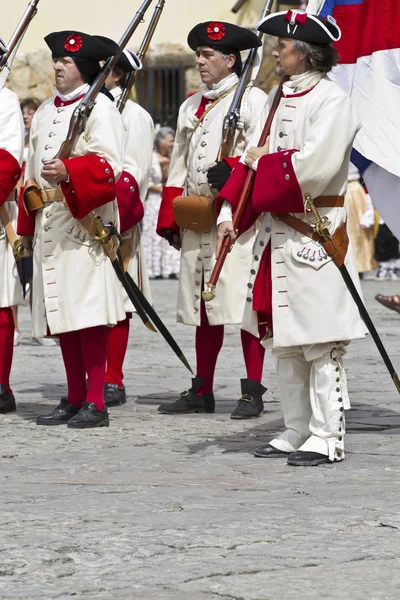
[
  {"x": 54, "y": 171},
  {"x": 225, "y": 228},
  {"x": 173, "y": 238},
  {"x": 255, "y": 152}
]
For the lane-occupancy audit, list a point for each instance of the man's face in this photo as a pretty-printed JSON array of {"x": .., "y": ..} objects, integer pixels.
[
  {"x": 288, "y": 60},
  {"x": 213, "y": 67},
  {"x": 68, "y": 77}
]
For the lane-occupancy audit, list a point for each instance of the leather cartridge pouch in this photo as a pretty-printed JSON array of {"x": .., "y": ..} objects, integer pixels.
[
  {"x": 32, "y": 197},
  {"x": 196, "y": 213}
]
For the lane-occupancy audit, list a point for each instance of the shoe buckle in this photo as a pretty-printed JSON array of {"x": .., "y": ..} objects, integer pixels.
[{"x": 247, "y": 398}]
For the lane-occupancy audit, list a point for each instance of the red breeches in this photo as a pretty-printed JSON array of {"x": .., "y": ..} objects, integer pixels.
[
  {"x": 209, "y": 340},
  {"x": 117, "y": 344},
  {"x": 6, "y": 344},
  {"x": 84, "y": 353}
]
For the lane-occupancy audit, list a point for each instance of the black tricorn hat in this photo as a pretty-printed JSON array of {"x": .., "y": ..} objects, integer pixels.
[
  {"x": 221, "y": 34},
  {"x": 77, "y": 44},
  {"x": 298, "y": 25},
  {"x": 3, "y": 47},
  {"x": 128, "y": 61}
]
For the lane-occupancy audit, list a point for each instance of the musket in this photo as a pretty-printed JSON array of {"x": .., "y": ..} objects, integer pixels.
[
  {"x": 18, "y": 34},
  {"x": 130, "y": 80},
  {"x": 233, "y": 115},
  {"x": 238, "y": 5},
  {"x": 6, "y": 62},
  {"x": 209, "y": 294},
  {"x": 82, "y": 112}
]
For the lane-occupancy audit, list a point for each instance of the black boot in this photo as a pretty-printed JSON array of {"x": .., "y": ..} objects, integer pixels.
[
  {"x": 306, "y": 459},
  {"x": 269, "y": 451},
  {"x": 89, "y": 416},
  {"x": 250, "y": 404},
  {"x": 7, "y": 400},
  {"x": 188, "y": 402},
  {"x": 114, "y": 395},
  {"x": 59, "y": 415}
]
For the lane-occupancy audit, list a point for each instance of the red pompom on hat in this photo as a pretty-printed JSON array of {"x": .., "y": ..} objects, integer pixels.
[
  {"x": 216, "y": 31},
  {"x": 73, "y": 43}
]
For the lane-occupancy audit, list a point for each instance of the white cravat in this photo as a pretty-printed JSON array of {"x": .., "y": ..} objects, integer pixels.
[
  {"x": 220, "y": 88},
  {"x": 80, "y": 91},
  {"x": 303, "y": 82}
]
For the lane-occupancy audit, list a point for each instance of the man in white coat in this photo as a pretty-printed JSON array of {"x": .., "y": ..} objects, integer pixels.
[
  {"x": 197, "y": 146},
  {"x": 75, "y": 288},
  {"x": 11, "y": 155},
  {"x": 131, "y": 193},
  {"x": 293, "y": 284}
]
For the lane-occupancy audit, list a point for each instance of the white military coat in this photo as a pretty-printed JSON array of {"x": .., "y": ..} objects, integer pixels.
[
  {"x": 310, "y": 302},
  {"x": 139, "y": 139},
  {"x": 12, "y": 140},
  {"x": 194, "y": 152},
  {"x": 74, "y": 284}
]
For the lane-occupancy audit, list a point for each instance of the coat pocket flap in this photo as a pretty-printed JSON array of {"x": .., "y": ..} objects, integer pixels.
[{"x": 311, "y": 254}]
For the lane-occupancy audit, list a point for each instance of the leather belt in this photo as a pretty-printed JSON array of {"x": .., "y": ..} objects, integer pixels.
[
  {"x": 329, "y": 202},
  {"x": 51, "y": 195},
  {"x": 336, "y": 247}
]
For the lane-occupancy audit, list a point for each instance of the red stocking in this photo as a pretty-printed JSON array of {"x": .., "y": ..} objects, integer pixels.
[
  {"x": 117, "y": 343},
  {"x": 6, "y": 345},
  {"x": 94, "y": 352},
  {"x": 209, "y": 340},
  {"x": 70, "y": 344},
  {"x": 253, "y": 353}
]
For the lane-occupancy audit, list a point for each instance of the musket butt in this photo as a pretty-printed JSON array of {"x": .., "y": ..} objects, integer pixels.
[
  {"x": 396, "y": 381},
  {"x": 150, "y": 326},
  {"x": 183, "y": 358},
  {"x": 208, "y": 295}
]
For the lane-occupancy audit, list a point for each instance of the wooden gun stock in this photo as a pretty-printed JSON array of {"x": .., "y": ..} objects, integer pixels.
[{"x": 211, "y": 285}]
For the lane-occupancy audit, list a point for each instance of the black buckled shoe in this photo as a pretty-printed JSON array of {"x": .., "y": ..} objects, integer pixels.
[
  {"x": 89, "y": 416},
  {"x": 7, "y": 400},
  {"x": 306, "y": 459},
  {"x": 189, "y": 402},
  {"x": 59, "y": 415},
  {"x": 250, "y": 405},
  {"x": 269, "y": 451},
  {"x": 114, "y": 395}
]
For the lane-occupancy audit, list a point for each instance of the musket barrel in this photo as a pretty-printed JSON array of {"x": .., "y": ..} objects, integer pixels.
[{"x": 20, "y": 31}]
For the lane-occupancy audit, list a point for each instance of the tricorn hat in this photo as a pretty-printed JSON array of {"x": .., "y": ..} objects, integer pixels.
[
  {"x": 128, "y": 61},
  {"x": 80, "y": 45},
  {"x": 298, "y": 25},
  {"x": 218, "y": 34},
  {"x": 3, "y": 47}
]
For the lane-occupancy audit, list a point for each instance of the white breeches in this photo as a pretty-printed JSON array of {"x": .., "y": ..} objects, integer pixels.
[{"x": 313, "y": 389}]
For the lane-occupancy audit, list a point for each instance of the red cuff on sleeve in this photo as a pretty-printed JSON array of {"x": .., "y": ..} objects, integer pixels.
[
  {"x": 91, "y": 184},
  {"x": 25, "y": 222},
  {"x": 10, "y": 172},
  {"x": 276, "y": 188},
  {"x": 231, "y": 193},
  {"x": 130, "y": 206},
  {"x": 232, "y": 161},
  {"x": 166, "y": 215}
]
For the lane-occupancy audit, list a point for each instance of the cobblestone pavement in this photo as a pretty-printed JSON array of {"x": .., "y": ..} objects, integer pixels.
[{"x": 176, "y": 508}]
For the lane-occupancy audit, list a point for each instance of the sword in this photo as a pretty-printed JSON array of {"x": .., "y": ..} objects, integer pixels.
[
  {"x": 321, "y": 227},
  {"x": 108, "y": 236}
]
